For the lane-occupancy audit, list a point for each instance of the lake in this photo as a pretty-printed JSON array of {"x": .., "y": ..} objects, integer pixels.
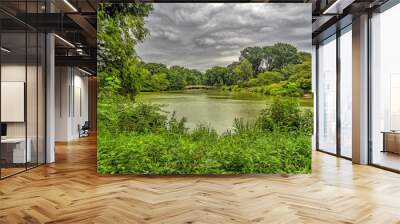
[{"x": 216, "y": 108}]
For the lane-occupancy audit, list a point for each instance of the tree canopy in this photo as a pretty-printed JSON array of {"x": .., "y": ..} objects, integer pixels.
[{"x": 119, "y": 29}]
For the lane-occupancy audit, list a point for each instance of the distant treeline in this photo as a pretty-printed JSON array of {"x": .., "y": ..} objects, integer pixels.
[{"x": 273, "y": 70}]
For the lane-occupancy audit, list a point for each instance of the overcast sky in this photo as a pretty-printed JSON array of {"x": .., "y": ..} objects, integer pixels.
[{"x": 204, "y": 35}]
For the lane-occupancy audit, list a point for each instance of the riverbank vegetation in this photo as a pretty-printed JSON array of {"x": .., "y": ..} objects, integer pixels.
[
  {"x": 142, "y": 139},
  {"x": 137, "y": 138}
]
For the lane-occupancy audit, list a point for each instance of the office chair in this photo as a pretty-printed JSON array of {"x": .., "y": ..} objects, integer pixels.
[{"x": 84, "y": 130}]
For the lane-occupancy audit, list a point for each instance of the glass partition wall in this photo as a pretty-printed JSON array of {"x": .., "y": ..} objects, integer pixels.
[
  {"x": 385, "y": 89},
  {"x": 334, "y": 83},
  {"x": 327, "y": 95},
  {"x": 22, "y": 108},
  {"x": 345, "y": 91}
]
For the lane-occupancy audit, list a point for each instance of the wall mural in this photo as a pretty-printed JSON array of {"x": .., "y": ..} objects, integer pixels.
[{"x": 204, "y": 88}]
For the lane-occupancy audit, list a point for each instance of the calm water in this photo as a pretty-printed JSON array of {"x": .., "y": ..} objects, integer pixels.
[{"x": 216, "y": 108}]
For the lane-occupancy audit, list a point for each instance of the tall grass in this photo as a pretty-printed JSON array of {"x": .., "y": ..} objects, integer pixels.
[{"x": 141, "y": 139}]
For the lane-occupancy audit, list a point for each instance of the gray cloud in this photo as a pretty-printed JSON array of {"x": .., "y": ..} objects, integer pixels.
[{"x": 204, "y": 35}]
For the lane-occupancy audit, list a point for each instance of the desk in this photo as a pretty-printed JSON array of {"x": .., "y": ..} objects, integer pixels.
[
  {"x": 391, "y": 141},
  {"x": 13, "y": 150}
]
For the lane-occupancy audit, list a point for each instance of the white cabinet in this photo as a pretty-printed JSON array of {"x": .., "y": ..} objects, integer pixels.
[{"x": 19, "y": 154}]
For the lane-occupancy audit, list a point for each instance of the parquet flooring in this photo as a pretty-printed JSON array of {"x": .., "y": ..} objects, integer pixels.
[{"x": 70, "y": 191}]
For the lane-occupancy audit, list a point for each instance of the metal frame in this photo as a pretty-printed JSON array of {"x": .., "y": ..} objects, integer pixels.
[
  {"x": 369, "y": 90},
  {"x": 389, "y": 4},
  {"x": 317, "y": 95},
  {"x": 44, "y": 74},
  {"x": 338, "y": 75},
  {"x": 338, "y": 152}
]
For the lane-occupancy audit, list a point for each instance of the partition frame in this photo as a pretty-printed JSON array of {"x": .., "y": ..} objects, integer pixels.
[
  {"x": 44, "y": 95},
  {"x": 338, "y": 153},
  {"x": 381, "y": 9}
]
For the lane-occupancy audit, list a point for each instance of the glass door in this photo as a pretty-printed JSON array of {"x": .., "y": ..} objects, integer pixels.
[{"x": 14, "y": 153}]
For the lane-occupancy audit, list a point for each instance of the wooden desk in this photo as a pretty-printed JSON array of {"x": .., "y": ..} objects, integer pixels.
[
  {"x": 391, "y": 141},
  {"x": 13, "y": 150}
]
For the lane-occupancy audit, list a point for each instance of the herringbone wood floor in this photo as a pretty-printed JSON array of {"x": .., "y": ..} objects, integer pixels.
[{"x": 70, "y": 191}]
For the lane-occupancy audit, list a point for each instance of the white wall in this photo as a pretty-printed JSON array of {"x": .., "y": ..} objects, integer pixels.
[
  {"x": 9, "y": 73},
  {"x": 33, "y": 127},
  {"x": 62, "y": 82},
  {"x": 71, "y": 102}
]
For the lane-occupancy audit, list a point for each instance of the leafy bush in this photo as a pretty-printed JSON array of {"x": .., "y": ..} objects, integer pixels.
[
  {"x": 117, "y": 114},
  {"x": 141, "y": 139},
  {"x": 286, "y": 115},
  {"x": 168, "y": 153}
]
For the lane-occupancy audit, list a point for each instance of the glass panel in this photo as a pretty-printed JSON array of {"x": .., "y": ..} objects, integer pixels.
[
  {"x": 31, "y": 98},
  {"x": 41, "y": 99},
  {"x": 346, "y": 92},
  {"x": 385, "y": 84},
  {"x": 23, "y": 89},
  {"x": 327, "y": 96},
  {"x": 13, "y": 86}
]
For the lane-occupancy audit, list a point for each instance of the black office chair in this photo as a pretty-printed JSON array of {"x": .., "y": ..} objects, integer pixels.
[{"x": 84, "y": 130}]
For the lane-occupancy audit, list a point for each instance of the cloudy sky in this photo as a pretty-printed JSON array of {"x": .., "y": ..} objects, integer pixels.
[{"x": 204, "y": 35}]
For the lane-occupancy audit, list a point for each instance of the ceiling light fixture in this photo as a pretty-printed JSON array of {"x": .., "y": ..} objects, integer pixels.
[
  {"x": 5, "y": 50},
  {"x": 84, "y": 71},
  {"x": 337, "y": 7},
  {"x": 65, "y": 41},
  {"x": 70, "y": 5}
]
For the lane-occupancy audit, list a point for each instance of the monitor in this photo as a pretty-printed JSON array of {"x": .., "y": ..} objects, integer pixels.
[{"x": 3, "y": 129}]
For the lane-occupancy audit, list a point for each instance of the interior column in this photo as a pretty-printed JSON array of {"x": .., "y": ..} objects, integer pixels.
[{"x": 360, "y": 90}]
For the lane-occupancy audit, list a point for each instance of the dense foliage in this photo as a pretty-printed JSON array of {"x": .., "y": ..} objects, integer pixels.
[
  {"x": 141, "y": 139},
  {"x": 119, "y": 29}
]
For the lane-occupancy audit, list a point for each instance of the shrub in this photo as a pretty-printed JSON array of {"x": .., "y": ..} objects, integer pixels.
[
  {"x": 279, "y": 142},
  {"x": 166, "y": 153},
  {"x": 117, "y": 114},
  {"x": 285, "y": 115}
]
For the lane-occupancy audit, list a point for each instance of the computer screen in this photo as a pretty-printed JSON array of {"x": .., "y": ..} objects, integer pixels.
[{"x": 3, "y": 129}]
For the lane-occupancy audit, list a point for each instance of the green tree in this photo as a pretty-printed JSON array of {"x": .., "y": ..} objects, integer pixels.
[
  {"x": 194, "y": 77},
  {"x": 269, "y": 77},
  {"x": 299, "y": 74},
  {"x": 254, "y": 55},
  {"x": 155, "y": 68},
  {"x": 176, "y": 78},
  {"x": 119, "y": 29},
  {"x": 216, "y": 75},
  {"x": 244, "y": 70},
  {"x": 159, "y": 82},
  {"x": 284, "y": 54}
]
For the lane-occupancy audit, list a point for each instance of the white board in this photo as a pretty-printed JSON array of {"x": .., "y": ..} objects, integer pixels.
[{"x": 12, "y": 101}]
